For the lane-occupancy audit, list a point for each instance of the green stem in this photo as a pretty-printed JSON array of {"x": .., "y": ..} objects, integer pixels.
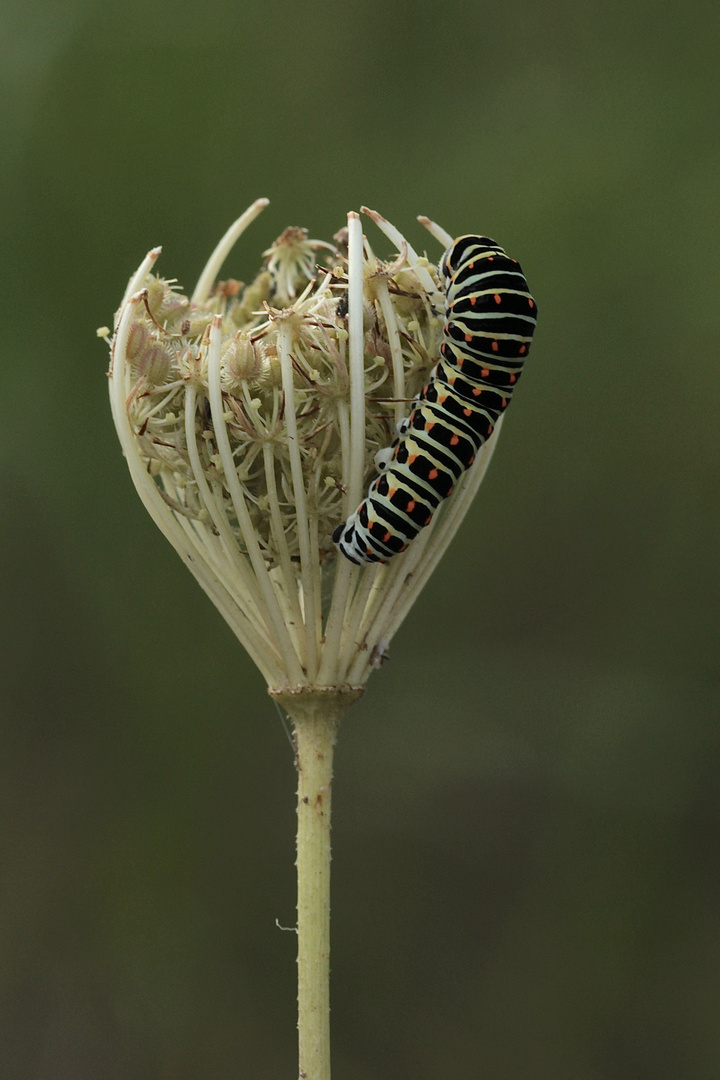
[
  {"x": 314, "y": 740},
  {"x": 315, "y": 714}
]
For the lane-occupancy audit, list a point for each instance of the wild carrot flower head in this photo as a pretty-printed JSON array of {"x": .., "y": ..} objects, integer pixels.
[{"x": 250, "y": 417}]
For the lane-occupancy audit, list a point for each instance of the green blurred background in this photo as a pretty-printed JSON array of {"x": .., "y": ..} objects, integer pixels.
[{"x": 527, "y": 807}]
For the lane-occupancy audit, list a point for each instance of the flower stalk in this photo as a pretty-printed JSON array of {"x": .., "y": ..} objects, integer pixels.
[
  {"x": 314, "y": 741},
  {"x": 315, "y": 716}
]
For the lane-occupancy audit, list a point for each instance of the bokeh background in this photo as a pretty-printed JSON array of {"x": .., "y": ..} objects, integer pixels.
[{"x": 527, "y": 802}]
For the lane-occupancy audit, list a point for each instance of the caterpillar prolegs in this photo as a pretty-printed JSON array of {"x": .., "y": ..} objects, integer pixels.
[{"x": 490, "y": 318}]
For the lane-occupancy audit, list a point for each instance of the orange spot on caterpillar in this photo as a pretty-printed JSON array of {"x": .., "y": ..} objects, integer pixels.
[
  {"x": 473, "y": 301},
  {"x": 386, "y": 537},
  {"x": 477, "y": 391},
  {"x": 522, "y": 350},
  {"x": 497, "y": 298},
  {"x": 484, "y": 373},
  {"x": 461, "y": 361},
  {"x": 468, "y": 338},
  {"x": 494, "y": 346},
  {"x": 471, "y": 461},
  {"x": 531, "y": 302},
  {"x": 412, "y": 458},
  {"x": 410, "y": 507},
  {"x": 455, "y": 440},
  {"x": 504, "y": 403},
  {"x": 467, "y": 412},
  {"x": 513, "y": 378},
  {"x": 433, "y": 474}
]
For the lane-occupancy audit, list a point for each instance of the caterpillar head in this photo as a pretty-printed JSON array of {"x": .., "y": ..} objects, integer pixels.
[{"x": 459, "y": 250}]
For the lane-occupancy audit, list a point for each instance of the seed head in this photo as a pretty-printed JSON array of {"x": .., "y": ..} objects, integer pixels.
[{"x": 250, "y": 417}]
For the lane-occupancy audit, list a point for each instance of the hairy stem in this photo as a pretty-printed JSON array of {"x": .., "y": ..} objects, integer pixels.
[{"x": 315, "y": 714}]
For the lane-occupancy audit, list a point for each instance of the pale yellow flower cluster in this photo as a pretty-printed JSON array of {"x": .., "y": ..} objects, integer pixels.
[{"x": 250, "y": 417}]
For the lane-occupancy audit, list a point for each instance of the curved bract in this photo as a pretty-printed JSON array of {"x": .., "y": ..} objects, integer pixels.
[{"x": 490, "y": 318}]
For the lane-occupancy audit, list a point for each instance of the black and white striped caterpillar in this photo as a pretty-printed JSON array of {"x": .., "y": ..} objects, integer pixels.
[{"x": 490, "y": 318}]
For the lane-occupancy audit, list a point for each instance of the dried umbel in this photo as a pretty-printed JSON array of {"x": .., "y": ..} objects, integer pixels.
[{"x": 250, "y": 417}]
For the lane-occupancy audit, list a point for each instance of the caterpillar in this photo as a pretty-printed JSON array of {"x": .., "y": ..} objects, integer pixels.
[{"x": 490, "y": 318}]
